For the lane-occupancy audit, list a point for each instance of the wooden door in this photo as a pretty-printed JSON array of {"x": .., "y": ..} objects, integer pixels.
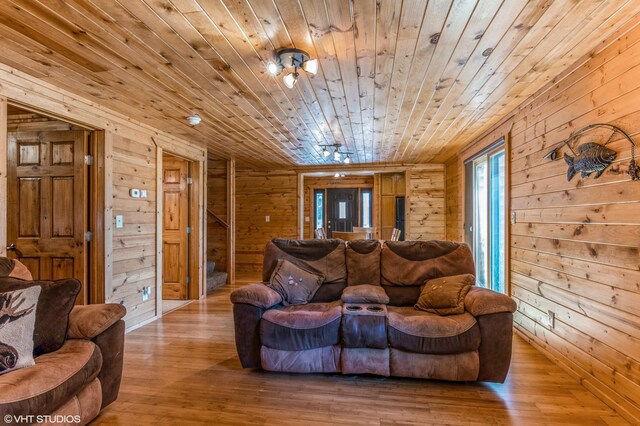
[
  {"x": 387, "y": 205},
  {"x": 342, "y": 210},
  {"x": 47, "y": 204},
  {"x": 175, "y": 221}
]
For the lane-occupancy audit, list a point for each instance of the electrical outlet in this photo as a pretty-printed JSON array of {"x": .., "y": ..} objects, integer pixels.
[
  {"x": 267, "y": 218},
  {"x": 135, "y": 193},
  {"x": 119, "y": 221},
  {"x": 551, "y": 319},
  {"x": 514, "y": 218},
  {"x": 307, "y": 219}
]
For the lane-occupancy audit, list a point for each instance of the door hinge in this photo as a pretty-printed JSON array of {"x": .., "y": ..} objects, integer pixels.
[
  {"x": 189, "y": 181},
  {"x": 88, "y": 160},
  {"x": 188, "y": 280},
  {"x": 88, "y": 236},
  {"x": 189, "y": 230}
]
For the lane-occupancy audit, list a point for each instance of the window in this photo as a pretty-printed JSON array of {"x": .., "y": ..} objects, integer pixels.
[
  {"x": 319, "y": 208},
  {"x": 485, "y": 215},
  {"x": 342, "y": 209},
  {"x": 365, "y": 208}
]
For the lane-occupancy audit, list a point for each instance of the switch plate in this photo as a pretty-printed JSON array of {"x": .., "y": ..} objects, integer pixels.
[
  {"x": 551, "y": 319},
  {"x": 143, "y": 193},
  {"x": 267, "y": 218},
  {"x": 307, "y": 219},
  {"x": 134, "y": 192},
  {"x": 514, "y": 218},
  {"x": 146, "y": 292},
  {"x": 119, "y": 221}
]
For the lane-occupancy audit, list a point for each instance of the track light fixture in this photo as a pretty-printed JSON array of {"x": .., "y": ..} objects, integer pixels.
[
  {"x": 294, "y": 59},
  {"x": 337, "y": 154}
]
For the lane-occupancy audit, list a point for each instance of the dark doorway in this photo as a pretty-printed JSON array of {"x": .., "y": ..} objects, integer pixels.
[{"x": 342, "y": 210}]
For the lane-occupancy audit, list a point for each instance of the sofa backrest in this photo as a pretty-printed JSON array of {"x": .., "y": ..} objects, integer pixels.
[
  {"x": 326, "y": 257},
  {"x": 363, "y": 262},
  {"x": 406, "y": 265},
  {"x": 401, "y": 267}
]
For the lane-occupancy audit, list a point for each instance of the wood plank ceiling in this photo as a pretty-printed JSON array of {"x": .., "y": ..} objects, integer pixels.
[{"x": 399, "y": 81}]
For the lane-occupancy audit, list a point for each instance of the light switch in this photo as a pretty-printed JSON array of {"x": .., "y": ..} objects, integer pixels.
[
  {"x": 119, "y": 221},
  {"x": 307, "y": 219},
  {"x": 135, "y": 193},
  {"x": 267, "y": 219}
]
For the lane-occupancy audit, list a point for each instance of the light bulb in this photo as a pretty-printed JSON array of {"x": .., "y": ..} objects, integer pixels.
[
  {"x": 274, "y": 68},
  {"x": 311, "y": 66},
  {"x": 336, "y": 155},
  {"x": 337, "y": 175},
  {"x": 325, "y": 152},
  {"x": 347, "y": 160},
  {"x": 290, "y": 79}
]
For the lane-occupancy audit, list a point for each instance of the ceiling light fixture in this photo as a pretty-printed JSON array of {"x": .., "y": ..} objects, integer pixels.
[
  {"x": 337, "y": 154},
  {"x": 294, "y": 59},
  {"x": 194, "y": 120}
]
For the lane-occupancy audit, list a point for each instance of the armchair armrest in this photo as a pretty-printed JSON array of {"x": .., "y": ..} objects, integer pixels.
[
  {"x": 258, "y": 295},
  {"x": 482, "y": 301},
  {"x": 89, "y": 321},
  {"x": 365, "y": 293}
]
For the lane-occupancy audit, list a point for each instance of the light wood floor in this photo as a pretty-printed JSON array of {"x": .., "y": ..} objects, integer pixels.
[{"x": 183, "y": 370}]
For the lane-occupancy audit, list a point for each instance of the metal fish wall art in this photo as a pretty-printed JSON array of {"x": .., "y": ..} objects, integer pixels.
[{"x": 593, "y": 157}]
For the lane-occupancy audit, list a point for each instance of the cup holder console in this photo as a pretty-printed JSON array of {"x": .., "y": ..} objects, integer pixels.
[
  {"x": 354, "y": 308},
  {"x": 374, "y": 309}
]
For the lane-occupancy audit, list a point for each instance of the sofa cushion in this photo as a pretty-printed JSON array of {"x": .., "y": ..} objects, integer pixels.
[
  {"x": 424, "y": 332},
  {"x": 365, "y": 294},
  {"x": 52, "y": 314},
  {"x": 89, "y": 321},
  {"x": 295, "y": 285},
  {"x": 17, "y": 322},
  {"x": 411, "y": 263},
  {"x": 327, "y": 257},
  {"x": 363, "y": 262},
  {"x": 13, "y": 268},
  {"x": 301, "y": 327},
  {"x": 56, "y": 377},
  {"x": 445, "y": 296},
  {"x": 318, "y": 360}
]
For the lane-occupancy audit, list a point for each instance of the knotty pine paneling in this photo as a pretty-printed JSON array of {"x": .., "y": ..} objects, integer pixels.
[
  {"x": 217, "y": 202},
  {"x": 426, "y": 203},
  {"x": 575, "y": 246},
  {"x": 272, "y": 193},
  {"x": 134, "y": 245}
]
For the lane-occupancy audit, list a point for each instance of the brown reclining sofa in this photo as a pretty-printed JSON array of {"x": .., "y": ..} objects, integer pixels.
[
  {"x": 356, "y": 332},
  {"x": 76, "y": 380}
]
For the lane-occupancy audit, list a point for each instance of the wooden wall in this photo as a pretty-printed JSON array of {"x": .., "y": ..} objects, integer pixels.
[
  {"x": 259, "y": 193},
  {"x": 575, "y": 246},
  {"x": 134, "y": 246},
  {"x": 454, "y": 212},
  {"x": 131, "y": 161},
  {"x": 311, "y": 183},
  {"x": 426, "y": 203},
  {"x": 217, "y": 234}
]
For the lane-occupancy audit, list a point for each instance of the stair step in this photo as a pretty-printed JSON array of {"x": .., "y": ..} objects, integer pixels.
[
  {"x": 216, "y": 280},
  {"x": 211, "y": 267}
]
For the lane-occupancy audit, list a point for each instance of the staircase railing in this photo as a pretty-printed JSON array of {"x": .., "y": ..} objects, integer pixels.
[{"x": 218, "y": 219}]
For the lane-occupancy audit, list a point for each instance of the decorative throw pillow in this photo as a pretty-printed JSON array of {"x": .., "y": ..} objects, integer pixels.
[
  {"x": 17, "y": 323},
  {"x": 294, "y": 284},
  {"x": 445, "y": 296},
  {"x": 52, "y": 315}
]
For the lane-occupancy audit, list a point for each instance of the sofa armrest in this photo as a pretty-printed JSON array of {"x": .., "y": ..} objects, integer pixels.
[
  {"x": 89, "y": 321},
  {"x": 258, "y": 295},
  {"x": 365, "y": 293},
  {"x": 482, "y": 301}
]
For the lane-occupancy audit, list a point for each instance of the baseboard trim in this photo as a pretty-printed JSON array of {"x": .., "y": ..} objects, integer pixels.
[{"x": 143, "y": 323}]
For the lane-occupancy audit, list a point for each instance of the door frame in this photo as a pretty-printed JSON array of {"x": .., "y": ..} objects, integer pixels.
[
  {"x": 197, "y": 201},
  {"x": 95, "y": 268}
]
